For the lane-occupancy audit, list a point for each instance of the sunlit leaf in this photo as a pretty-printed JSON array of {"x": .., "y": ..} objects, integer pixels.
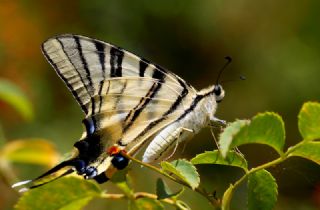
[
  {"x": 65, "y": 193},
  {"x": 184, "y": 170},
  {"x": 214, "y": 157},
  {"x": 13, "y": 95},
  {"x": 262, "y": 191},
  {"x": 226, "y": 199},
  {"x": 308, "y": 150},
  {"x": 309, "y": 121},
  {"x": 145, "y": 203},
  {"x": 163, "y": 191},
  {"x": 266, "y": 128},
  {"x": 34, "y": 151}
]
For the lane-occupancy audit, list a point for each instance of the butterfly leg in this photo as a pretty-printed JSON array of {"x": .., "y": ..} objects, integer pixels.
[
  {"x": 177, "y": 142},
  {"x": 217, "y": 120}
]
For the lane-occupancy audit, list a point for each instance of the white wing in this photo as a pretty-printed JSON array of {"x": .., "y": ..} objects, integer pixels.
[{"x": 127, "y": 97}]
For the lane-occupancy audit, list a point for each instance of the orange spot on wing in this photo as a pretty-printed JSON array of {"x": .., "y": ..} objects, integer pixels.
[{"x": 113, "y": 150}]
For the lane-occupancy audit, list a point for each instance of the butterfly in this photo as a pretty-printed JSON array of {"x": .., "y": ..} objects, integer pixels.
[{"x": 129, "y": 103}]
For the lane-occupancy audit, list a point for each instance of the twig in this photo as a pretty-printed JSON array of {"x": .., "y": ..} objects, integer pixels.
[
  {"x": 138, "y": 195},
  {"x": 198, "y": 189},
  {"x": 275, "y": 162}
]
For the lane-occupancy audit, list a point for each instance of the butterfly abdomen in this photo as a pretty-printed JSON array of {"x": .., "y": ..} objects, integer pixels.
[{"x": 165, "y": 142}]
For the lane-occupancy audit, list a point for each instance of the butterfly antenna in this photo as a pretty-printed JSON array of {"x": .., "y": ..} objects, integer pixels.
[
  {"x": 241, "y": 77},
  {"x": 229, "y": 60}
]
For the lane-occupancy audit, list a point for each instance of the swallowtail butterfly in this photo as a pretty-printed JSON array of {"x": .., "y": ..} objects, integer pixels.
[{"x": 128, "y": 102}]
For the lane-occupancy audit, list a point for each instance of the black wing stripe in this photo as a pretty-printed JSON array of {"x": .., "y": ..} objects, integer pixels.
[
  {"x": 173, "y": 107},
  {"x": 195, "y": 101},
  {"x": 116, "y": 57},
  {"x": 74, "y": 93},
  {"x": 87, "y": 70},
  {"x": 100, "y": 94},
  {"x": 83, "y": 60},
  {"x": 120, "y": 93},
  {"x": 179, "y": 100},
  {"x": 84, "y": 84},
  {"x": 101, "y": 54},
  {"x": 143, "y": 64},
  {"x": 158, "y": 72},
  {"x": 136, "y": 111}
]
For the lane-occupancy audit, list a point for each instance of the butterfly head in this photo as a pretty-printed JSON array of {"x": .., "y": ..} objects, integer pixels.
[{"x": 218, "y": 92}]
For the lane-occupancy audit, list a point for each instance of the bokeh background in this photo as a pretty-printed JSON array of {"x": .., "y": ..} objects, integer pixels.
[{"x": 275, "y": 44}]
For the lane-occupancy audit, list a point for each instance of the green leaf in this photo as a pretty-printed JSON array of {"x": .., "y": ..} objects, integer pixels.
[
  {"x": 145, "y": 203},
  {"x": 226, "y": 199},
  {"x": 66, "y": 193},
  {"x": 228, "y": 134},
  {"x": 266, "y": 128},
  {"x": 13, "y": 95},
  {"x": 80, "y": 203},
  {"x": 34, "y": 151},
  {"x": 308, "y": 150},
  {"x": 163, "y": 191},
  {"x": 309, "y": 121},
  {"x": 262, "y": 191},
  {"x": 214, "y": 157},
  {"x": 184, "y": 170}
]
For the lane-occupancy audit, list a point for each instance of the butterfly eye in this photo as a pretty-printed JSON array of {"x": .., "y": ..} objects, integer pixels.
[
  {"x": 119, "y": 161},
  {"x": 217, "y": 90}
]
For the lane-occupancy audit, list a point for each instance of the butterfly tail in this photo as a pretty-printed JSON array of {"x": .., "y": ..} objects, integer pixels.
[{"x": 60, "y": 170}]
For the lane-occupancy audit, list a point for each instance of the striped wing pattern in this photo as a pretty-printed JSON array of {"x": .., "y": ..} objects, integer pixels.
[{"x": 127, "y": 97}]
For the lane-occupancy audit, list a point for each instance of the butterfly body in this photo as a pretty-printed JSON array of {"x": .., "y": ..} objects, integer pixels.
[
  {"x": 128, "y": 103},
  {"x": 197, "y": 116}
]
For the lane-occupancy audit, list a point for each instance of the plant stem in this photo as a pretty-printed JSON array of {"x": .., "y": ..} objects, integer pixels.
[
  {"x": 138, "y": 195},
  {"x": 154, "y": 169},
  {"x": 263, "y": 166},
  {"x": 198, "y": 189}
]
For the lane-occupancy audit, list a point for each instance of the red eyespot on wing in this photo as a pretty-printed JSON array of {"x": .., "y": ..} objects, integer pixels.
[{"x": 113, "y": 150}]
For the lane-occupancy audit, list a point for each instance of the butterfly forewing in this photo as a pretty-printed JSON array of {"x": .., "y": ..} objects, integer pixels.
[{"x": 128, "y": 97}]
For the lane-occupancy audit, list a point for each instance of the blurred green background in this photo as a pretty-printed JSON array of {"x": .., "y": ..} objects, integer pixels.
[{"x": 275, "y": 44}]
